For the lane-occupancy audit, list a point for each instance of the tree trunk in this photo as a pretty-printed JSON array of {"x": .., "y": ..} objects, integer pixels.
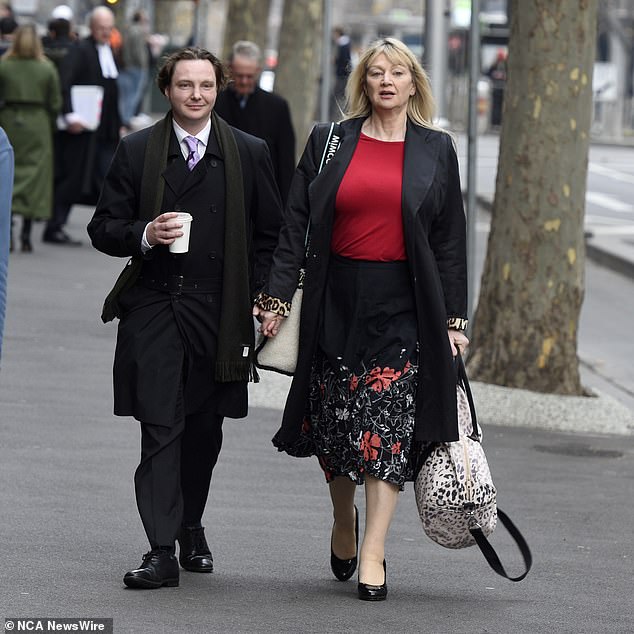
[
  {"x": 525, "y": 327},
  {"x": 298, "y": 71},
  {"x": 246, "y": 20},
  {"x": 175, "y": 18}
]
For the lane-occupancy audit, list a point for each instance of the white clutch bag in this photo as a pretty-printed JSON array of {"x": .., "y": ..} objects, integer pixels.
[{"x": 279, "y": 353}]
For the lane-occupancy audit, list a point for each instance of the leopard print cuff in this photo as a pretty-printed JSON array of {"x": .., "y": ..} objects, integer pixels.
[
  {"x": 273, "y": 304},
  {"x": 457, "y": 323}
]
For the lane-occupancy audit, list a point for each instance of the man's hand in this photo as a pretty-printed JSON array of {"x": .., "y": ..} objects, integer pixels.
[
  {"x": 270, "y": 322},
  {"x": 164, "y": 229}
]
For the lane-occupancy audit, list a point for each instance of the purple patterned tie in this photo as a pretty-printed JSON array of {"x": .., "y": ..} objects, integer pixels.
[{"x": 193, "y": 157}]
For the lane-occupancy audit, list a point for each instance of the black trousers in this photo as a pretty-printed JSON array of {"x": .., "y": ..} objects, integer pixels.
[{"x": 172, "y": 480}]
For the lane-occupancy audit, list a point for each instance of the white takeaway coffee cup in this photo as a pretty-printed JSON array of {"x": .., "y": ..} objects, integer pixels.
[{"x": 181, "y": 245}]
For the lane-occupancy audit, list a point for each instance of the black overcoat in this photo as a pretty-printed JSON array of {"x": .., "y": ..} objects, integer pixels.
[
  {"x": 267, "y": 116},
  {"x": 157, "y": 331},
  {"x": 435, "y": 239}
]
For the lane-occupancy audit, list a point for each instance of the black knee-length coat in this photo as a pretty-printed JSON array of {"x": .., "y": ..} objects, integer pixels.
[
  {"x": 435, "y": 239},
  {"x": 156, "y": 329}
]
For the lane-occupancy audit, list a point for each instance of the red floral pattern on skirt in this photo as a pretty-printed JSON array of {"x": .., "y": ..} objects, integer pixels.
[{"x": 361, "y": 424}]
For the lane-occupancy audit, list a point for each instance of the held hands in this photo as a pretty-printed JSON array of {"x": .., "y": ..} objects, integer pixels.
[
  {"x": 270, "y": 322},
  {"x": 75, "y": 127},
  {"x": 457, "y": 339},
  {"x": 164, "y": 229}
]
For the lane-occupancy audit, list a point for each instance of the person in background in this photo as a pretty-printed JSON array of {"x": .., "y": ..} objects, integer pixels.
[
  {"x": 384, "y": 304},
  {"x": 60, "y": 37},
  {"x": 8, "y": 25},
  {"x": 84, "y": 155},
  {"x": 58, "y": 41},
  {"x": 246, "y": 106},
  {"x": 343, "y": 66},
  {"x": 497, "y": 75},
  {"x": 135, "y": 64},
  {"x": 6, "y": 188},
  {"x": 30, "y": 100},
  {"x": 185, "y": 340}
]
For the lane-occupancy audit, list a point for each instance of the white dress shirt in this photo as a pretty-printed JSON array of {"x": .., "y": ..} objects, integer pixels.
[{"x": 203, "y": 139}]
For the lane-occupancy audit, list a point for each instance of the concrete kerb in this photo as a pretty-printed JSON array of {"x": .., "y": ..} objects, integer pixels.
[
  {"x": 502, "y": 406},
  {"x": 610, "y": 252}
]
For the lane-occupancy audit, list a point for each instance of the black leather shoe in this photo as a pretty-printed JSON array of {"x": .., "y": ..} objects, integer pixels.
[
  {"x": 194, "y": 554},
  {"x": 343, "y": 569},
  {"x": 373, "y": 593},
  {"x": 60, "y": 237},
  {"x": 159, "y": 568}
]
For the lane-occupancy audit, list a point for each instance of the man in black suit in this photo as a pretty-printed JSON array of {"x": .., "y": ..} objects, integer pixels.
[
  {"x": 83, "y": 155},
  {"x": 266, "y": 115},
  {"x": 185, "y": 341}
]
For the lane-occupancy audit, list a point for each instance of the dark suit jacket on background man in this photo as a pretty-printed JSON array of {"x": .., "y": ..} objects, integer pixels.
[{"x": 267, "y": 116}]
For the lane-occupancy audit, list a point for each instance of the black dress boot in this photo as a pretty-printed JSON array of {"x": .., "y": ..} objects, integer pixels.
[
  {"x": 194, "y": 554},
  {"x": 158, "y": 568}
]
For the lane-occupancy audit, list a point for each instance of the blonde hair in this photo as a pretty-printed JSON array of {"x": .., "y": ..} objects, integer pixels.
[
  {"x": 421, "y": 105},
  {"x": 26, "y": 44}
]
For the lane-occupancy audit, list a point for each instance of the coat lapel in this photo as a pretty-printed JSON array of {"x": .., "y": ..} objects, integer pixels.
[
  {"x": 177, "y": 175},
  {"x": 176, "y": 172},
  {"x": 419, "y": 167}
]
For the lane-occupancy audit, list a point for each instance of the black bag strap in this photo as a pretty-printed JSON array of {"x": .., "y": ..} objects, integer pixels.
[
  {"x": 483, "y": 543},
  {"x": 333, "y": 141},
  {"x": 464, "y": 382},
  {"x": 489, "y": 552}
]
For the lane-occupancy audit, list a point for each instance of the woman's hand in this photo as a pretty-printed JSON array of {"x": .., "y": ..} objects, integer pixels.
[
  {"x": 270, "y": 322},
  {"x": 457, "y": 339}
]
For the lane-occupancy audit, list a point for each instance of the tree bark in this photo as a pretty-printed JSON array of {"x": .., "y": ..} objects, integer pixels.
[
  {"x": 525, "y": 326},
  {"x": 298, "y": 71},
  {"x": 246, "y": 20},
  {"x": 175, "y": 18}
]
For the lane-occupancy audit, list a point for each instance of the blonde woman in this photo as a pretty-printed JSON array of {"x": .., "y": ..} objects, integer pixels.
[
  {"x": 384, "y": 301},
  {"x": 30, "y": 99}
]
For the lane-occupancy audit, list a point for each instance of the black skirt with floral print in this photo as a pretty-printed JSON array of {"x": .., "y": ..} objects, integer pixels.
[{"x": 360, "y": 414}]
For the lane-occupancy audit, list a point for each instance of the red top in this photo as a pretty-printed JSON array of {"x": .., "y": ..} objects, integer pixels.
[{"x": 368, "y": 222}]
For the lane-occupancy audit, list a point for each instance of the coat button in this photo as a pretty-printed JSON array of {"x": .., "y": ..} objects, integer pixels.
[
  {"x": 210, "y": 299},
  {"x": 212, "y": 255},
  {"x": 214, "y": 163},
  {"x": 213, "y": 209}
]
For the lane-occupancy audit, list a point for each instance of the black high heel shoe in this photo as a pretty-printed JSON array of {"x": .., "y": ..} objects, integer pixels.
[
  {"x": 343, "y": 569},
  {"x": 368, "y": 592}
]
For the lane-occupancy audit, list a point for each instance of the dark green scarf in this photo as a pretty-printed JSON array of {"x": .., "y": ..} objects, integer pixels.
[{"x": 234, "y": 361}]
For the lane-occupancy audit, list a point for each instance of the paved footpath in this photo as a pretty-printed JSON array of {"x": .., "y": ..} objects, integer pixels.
[{"x": 70, "y": 529}]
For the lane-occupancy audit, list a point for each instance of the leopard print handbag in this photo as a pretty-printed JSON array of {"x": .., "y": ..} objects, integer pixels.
[
  {"x": 454, "y": 488},
  {"x": 455, "y": 494}
]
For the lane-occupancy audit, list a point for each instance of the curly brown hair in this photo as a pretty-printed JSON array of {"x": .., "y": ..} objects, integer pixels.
[{"x": 166, "y": 72}]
